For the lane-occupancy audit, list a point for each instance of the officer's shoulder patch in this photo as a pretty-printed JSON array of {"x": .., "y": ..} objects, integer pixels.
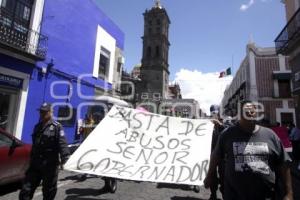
[
  {"x": 51, "y": 128},
  {"x": 61, "y": 133},
  {"x": 56, "y": 123}
]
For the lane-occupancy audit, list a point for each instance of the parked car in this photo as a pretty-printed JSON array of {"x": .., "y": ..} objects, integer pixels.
[{"x": 14, "y": 158}]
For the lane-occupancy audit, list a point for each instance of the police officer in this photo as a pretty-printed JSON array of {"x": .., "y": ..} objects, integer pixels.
[{"x": 49, "y": 150}]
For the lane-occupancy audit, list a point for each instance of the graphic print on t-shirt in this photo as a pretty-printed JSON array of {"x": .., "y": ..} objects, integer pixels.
[{"x": 251, "y": 157}]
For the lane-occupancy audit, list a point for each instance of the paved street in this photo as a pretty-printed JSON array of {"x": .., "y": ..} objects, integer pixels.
[
  {"x": 296, "y": 181},
  {"x": 71, "y": 188}
]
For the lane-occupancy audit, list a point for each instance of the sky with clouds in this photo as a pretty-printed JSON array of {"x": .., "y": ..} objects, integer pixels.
[
  {"x": 206, "y": 36},
  {"x": 206, "y": 88},
  {"x": 246, "y": 6}
]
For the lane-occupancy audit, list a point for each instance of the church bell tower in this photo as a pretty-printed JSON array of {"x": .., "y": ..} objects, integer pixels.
[{"x": 155, "y": 68}]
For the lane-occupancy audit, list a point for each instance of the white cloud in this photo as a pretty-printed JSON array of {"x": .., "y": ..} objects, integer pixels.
[
  {"x": 206, "y": 88},
  {"x": 244, "y": 7}
]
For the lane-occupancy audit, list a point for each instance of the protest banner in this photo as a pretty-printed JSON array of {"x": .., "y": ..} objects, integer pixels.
[{"x": 136, "y": 145}]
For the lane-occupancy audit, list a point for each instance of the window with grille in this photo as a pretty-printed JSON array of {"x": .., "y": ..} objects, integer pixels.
[{"x": 16, "y": 14}]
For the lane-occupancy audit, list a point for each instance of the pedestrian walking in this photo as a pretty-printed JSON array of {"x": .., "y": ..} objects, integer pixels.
[
  {"x": 282, "y": 133},
  {"x": 252, "y": 155},
  {"x": 295, "y": 139},
  {"x": 88, "y": 126},
  {"x": 290, "y": 127},
  {"x": 49, "y": 150}
]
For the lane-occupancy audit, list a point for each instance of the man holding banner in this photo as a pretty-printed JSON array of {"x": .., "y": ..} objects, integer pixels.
[{"x": 253, "y": 154}]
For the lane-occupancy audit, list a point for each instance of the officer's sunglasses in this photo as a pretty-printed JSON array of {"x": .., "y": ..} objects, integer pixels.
[{"x": 43, "y": 111}]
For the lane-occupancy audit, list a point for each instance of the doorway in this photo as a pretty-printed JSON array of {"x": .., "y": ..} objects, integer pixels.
[
  {"x": 286, "y": 118},
  {"x": 8, "y": 109}
]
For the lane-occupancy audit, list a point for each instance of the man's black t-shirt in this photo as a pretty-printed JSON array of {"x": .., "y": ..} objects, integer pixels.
[{"x": 250, "y": 161}]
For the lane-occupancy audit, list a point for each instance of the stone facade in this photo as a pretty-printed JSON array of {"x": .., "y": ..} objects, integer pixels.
[
  {"x": 264, "y": 77},
  {"x": 154, "y": 71},
  {"x": 288, "y": 44}
]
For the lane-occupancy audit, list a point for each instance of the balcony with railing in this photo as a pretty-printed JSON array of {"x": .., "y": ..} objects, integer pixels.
[
  {"x": 289, "y": 36},
  {"x": 15, "y": 37}
]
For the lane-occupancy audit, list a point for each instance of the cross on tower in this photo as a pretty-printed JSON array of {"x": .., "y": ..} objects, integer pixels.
[{"x": 157, "y": 4}]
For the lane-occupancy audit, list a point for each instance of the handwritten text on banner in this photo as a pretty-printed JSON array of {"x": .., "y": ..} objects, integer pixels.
[{"x": 137, "y": 145}]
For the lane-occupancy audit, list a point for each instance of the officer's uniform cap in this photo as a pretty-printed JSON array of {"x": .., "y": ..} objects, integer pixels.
[{"x": 45, "y": 107}]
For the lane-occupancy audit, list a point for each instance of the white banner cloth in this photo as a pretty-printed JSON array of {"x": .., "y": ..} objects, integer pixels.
[{"x": 137, "y": 145}]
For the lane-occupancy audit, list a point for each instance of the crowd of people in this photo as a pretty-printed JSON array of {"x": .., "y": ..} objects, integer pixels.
[{"x": 248, "y": 159}]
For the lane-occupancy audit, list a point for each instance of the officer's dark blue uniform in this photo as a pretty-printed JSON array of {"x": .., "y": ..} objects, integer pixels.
[{"x": 49, "y": 150}]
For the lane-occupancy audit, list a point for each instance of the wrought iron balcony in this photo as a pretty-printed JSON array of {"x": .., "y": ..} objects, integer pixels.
[
  {"x": 16, "y": 37},
  {"x": 289, "y": 35}
]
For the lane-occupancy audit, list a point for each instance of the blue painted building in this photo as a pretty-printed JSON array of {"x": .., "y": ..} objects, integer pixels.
[
  {"x": 83, "y": 60},
  {"x": 21, "y": 47}
]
